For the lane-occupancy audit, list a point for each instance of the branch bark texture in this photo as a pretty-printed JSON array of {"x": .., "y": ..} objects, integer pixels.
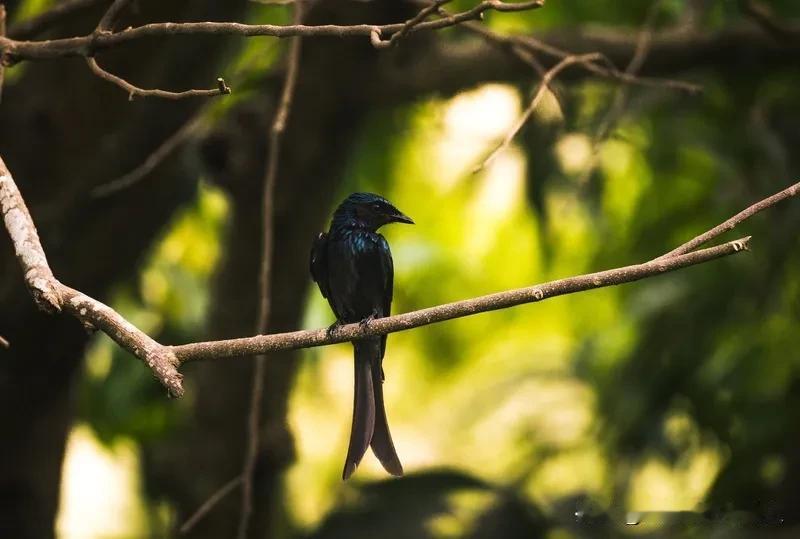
[
  {"x": 492, "y": 302},
  {"x": 52, "y": 296},
  {"x": 98, "y": 41}
]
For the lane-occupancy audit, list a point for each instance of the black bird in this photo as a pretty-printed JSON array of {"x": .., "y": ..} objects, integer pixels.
[{"x": 352, "y": 265}]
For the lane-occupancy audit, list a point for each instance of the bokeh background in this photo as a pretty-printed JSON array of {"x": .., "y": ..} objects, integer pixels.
[{"x": 664, "y": 408}]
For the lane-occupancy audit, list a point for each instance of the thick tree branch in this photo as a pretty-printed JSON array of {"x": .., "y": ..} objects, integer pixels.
[
  {"x": 52, "y": 296},
  {"x": 42, "y": 284}
]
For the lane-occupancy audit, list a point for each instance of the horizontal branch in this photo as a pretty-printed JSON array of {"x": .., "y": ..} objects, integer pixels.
[
  {"x": 88, "y": 44},
  {"x": 261, "y": 344},
  {"x": 163, "y": 361}
]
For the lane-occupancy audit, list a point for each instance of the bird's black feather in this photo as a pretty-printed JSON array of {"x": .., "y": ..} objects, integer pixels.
[{"x": 352, "y": 264}]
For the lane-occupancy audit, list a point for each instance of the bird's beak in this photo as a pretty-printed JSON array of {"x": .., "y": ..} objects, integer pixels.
[{"x": 402, "y": 218}]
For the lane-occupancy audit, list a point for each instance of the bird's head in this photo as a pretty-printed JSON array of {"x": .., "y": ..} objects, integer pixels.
[{"x": 370, "y": 211}]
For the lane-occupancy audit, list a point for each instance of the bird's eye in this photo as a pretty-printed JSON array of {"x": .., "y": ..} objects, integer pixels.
[{"x": 376, "y": 206}]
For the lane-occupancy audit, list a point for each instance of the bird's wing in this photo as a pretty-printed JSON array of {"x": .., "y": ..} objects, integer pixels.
[
  {"x": 387, "y": 266},
  {"x": 319, "y": 263},
  {"x": 387, "y": 271}
]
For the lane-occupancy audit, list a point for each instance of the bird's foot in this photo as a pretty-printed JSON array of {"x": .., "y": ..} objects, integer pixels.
[
  {"x": 364, "y": 324},
  {"x": 333, "y": 328}
]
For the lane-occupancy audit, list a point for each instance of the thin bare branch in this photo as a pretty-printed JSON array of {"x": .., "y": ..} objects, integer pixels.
[
  {"x": 521, "y": 52},
  {"x": 523, "y": 48},
  {"x": 763, "y": 16},
  {"x": 537, "y": 97},
  {"x": 4, "y": 342},
  {"x": 620, "y": 101},
  {"x": 2, "y": 34},
  {"x": 607, "y": 69},
  {"x": 79, "y": 46},
  {"x": 265, "y": 275},
  {"x": 52, "y": 296},
  {"x": 492, "y": 302},
  {"x": 423, "y": 14},
  {"x": 210, "y": 503},
  {"x": 731, "y": 223},
  {"x": 633, "y": 67},
  {"x": 135, "y": 91},
  {"x": 164, "y": 150},
  {"x": 41, "y": 22},
  {"x": 110, "y": 17}
]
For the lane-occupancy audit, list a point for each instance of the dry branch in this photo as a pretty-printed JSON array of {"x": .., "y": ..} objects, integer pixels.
[
  {"x": 731, "y": 223},
  {"x": 159, "y": 155},
  {"x": 209, "y": 504},
  {"x": 260, "y": 344},
  {"x": 103, "y": 37},
  {"x": 621, "y": 95},
  {"x": 265, "y": 274},
  {"x": 111, "y": 15},
  {"x": 135, "y": 91},
  {"x": 80, "y": 46},
  {"x": 537, "y": 97},
  {"x": 52, "y": 296},
  {"x": 604, "y": 67}
]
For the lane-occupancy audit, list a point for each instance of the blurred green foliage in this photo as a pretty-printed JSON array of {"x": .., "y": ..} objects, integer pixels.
[{"x": 677, "y": 393}]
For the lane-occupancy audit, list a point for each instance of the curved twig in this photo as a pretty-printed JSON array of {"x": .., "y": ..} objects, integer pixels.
[
  {"x": 135, "y": 91},
  {"x": 537, "y": 97}
]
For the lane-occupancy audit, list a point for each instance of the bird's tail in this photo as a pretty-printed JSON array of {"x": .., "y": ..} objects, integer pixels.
[{"x": 369, "y": 415}]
